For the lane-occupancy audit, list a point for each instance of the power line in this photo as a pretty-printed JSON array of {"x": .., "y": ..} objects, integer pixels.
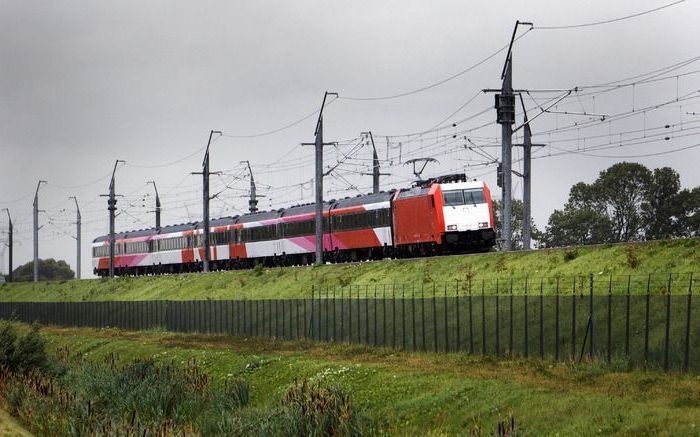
[
  {"x": 438, "y": 83},
  {"x": 280, "y": 129},
  {"x": 612, "y": 20}
]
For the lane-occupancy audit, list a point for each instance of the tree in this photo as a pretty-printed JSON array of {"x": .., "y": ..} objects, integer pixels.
[
  {"x": 517, "y": 223},
  {"x": 607, "y": 211},
  {"x": 664, "y": 205},
  {"x": 576, "y": 227},
  {"x": 688, "y": 219},
  {"x": 626, "y": 202},
  {"x": 620, "y": 191},
  {"x": 49, "y": 270}
]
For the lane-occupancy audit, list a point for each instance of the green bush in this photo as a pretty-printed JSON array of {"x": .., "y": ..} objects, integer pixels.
[
  {"x": 570, "y": 255},
  {"x": 25, "y": 353}
]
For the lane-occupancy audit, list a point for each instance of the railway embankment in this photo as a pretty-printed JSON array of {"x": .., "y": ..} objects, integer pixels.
[{"x": 635, "y": 261}]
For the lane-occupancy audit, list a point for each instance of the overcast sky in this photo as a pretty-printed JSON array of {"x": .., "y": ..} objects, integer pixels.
[{"x": 83, "y": 83}]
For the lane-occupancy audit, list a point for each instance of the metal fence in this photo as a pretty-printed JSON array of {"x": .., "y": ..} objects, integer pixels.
[{"x": 579, "y": 322}]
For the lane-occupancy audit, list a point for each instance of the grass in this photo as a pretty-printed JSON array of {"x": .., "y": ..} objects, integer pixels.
[
  {"x": 419, "y": 393},
  {"x": 637, "y": 260},
  {"x": 10, "y": 428}
]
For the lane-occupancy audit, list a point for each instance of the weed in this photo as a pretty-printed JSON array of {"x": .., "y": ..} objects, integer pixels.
[
  {"x": 316, "y": 410},
  {"x": 570, "y": 255},
  {"x": 632, "y": 255},
  {"x": 501, "y": 264},
  {"x": 259, "y": 270}
]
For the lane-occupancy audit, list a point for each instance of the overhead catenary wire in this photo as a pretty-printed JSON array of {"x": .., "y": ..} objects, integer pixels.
[
  {"x": 611, "y": 20},
  {"x": 438, "y": 83}
]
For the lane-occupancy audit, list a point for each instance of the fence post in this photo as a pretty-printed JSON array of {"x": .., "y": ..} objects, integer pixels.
[
  {"x": 342, "y": 314},
  {"x": 393, "y": 315},
  {"x": 305, "y": 319},
  {"x": 290, "y": 312},
  {"x": 510, "y": 322},
  {"x": 573, "y": 321},
  {"x": 458, "y": 347},
  {"x": 498, "y": 319},
  {"x": 367, "y": 314},
  {"x": 627, "y": 317},
  {"x": 556, "y": 322},
  {"x": 403, "y": 316},
  {"x": 245, "y": 317},
  {"x": 279, "y": 319},
  {"x": 413, "y": 318},
  {"x": 444, "y": 307},
  {"x": 590, "y": 315},
  {"x": 667, "y": 336},
  {"x": 646, "y": 322},
  {"x": 541, "y": 317},
  {"x": 435, "y": 344},
  {"x": 327, "y": 315},
  {"x": 483, "y": 319},
  {"x": 311, "y": 315},
  {"x": 374, "y": 308},
  {"x": 609, "y": 354},
  {"x": 527, "y": 345},
  {"x": 323, "y": 321},
  {"x": 359, "y": 317},
  {"x": 335, "y": 327},
  {"x": 687, "y": 324},
  {"x": 422, "y": 315},
  {"x": 384, "y": 342},
  {"x": 350, "y": 314},
  {"x": 471, "y": 324}
]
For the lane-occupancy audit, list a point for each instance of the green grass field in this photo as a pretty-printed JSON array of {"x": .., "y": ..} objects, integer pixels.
[
  {"x": 660, "y": 258},
  {"x": 421, "y": 393}
]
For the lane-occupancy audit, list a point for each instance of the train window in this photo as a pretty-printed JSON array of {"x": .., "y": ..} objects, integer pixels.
[
  {"x": 376, "y": 218},
  {"x": 474, "y": 196},
  {"x": 453, "y": 197}
]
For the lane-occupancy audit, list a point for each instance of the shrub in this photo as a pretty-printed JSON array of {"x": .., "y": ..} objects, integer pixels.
[
  {"x": 316, "y": 410},
  {"x": 8, "y": 340},
  {"x": 570, "y": 255},
  {"x": 25, "y": 353},
  {"x": 31, "y": 351}
]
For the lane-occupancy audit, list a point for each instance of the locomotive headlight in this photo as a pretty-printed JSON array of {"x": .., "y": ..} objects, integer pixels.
[
  {"x": 483, "y": 225},
  {"x": 451, "y": 227}
]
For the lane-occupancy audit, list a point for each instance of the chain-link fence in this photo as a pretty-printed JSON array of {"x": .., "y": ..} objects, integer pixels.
[{"x": 584, "y": 320}]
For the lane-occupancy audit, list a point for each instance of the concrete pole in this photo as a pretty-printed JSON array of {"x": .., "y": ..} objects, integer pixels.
[
  {"x": 205, "y": 204},
  {"x": 111, "y": 207},
  {"x": 36, "y": 231},
  {"x": 375, "y": 166},
  {"x": 158, "y": 209},
  {"x": 527, "y": 173},
  {"x": 77, "y": 238},
  {"x": 9, "y": 245},
  {"x": 253, "y": 201},
  {"x": 205, "y": 207},
  {"x": 506, "y": 150},
  {"x": 319, "y": 191}
]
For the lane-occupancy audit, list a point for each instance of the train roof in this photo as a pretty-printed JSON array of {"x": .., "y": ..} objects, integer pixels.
[
  {"x": 128, "y": 234},
  {"x": 414, "y": 192},
  {"x": 365, "y": 199},
  {"x": 302, "y": 209},
  {"x": 258, "y": 216}
]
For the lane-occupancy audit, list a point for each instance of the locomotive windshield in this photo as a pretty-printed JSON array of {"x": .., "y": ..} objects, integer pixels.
[{"x": 470, "y": 196}]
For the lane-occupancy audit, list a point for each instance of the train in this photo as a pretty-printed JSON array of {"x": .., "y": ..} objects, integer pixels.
[{"x": 443, "y": 215}]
